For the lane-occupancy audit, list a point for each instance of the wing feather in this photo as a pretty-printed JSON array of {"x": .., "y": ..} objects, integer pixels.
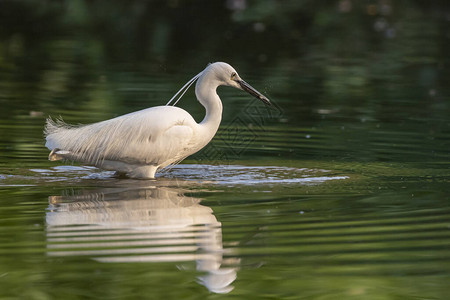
[{"x": 154, "y": 136}]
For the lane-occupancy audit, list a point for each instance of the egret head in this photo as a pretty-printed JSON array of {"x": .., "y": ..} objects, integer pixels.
[{"x": 227, "y": 75}]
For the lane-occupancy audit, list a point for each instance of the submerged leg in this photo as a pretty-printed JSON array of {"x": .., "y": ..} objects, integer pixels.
[
  {"x": 143, "y": 172},
  {"x": 130, "y": 170}
]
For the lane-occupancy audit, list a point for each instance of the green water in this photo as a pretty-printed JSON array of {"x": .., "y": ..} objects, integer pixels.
[{"x": 339, "y": 192}]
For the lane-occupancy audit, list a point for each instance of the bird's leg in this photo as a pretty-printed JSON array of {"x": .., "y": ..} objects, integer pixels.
[{"x": 143, "y": 172}]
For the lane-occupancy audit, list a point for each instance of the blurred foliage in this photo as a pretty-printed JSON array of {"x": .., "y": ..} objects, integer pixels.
[{"x": 344, "y": 47}]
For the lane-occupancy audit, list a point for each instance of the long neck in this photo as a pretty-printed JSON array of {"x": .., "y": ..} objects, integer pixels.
[{"x": 205, "y": 90}]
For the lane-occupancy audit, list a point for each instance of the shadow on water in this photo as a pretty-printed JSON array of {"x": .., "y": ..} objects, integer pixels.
[{"x": 141, "y": 225}]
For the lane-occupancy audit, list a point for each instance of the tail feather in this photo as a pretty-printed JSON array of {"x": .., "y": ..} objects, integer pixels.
[
  {"x": 53, "y": 126},
  {"x": 86, "y": 143}
]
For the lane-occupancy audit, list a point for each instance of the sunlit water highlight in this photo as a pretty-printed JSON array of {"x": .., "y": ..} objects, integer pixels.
[{"x": 212, "y": 174}]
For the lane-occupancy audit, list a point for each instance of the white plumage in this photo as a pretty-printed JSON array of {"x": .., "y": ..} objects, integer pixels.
[{"x": 140, "y": 143}]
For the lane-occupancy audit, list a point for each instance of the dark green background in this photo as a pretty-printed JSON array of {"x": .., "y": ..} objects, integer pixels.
[{"x": 362, "y": 91}]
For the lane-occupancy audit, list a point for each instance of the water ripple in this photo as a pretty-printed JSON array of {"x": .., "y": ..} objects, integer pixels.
[{"x": 229, "y": 175}]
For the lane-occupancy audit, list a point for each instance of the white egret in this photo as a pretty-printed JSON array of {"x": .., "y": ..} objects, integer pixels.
[{"x": 139, "y": 144}]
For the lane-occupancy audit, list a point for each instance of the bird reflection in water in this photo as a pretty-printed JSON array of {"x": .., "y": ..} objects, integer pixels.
[{"x": 155, "y": 224}]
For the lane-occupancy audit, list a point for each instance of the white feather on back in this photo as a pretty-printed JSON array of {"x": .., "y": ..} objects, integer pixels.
[{"x": 145, "y": 137}]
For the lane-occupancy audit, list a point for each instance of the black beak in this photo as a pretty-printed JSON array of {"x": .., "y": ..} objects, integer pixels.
[{"x": 249, "y": 89}]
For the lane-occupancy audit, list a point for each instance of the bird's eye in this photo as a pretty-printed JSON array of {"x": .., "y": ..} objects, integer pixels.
[{"x": 233, "y": 75}]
